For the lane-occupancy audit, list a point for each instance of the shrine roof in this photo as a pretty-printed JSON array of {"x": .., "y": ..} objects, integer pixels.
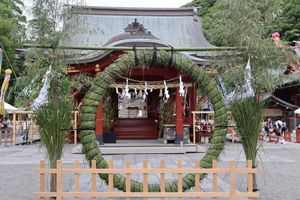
[
  {"x": 95, "y": 26},
  {"x": 107, "y": 26}
]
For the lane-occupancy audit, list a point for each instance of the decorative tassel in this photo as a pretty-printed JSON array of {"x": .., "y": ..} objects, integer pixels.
[
  {"x": 160, "y": 93},
  {"x": 1, "y": 57},
  {"x": 127, "y": 94},
  {"x": 4, "y": 89},
  {"x": 140, "y": 93},
  {"x": 181, "y": 87},
  {"x": 166, "y": 91}
]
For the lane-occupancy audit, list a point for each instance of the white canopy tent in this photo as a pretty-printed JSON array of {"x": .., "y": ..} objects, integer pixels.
[
  {"x": 9, "y": 108},
  {"x": 297, "y": 111}
]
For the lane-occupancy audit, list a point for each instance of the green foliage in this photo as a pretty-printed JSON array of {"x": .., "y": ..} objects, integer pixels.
[
  {"x": 53, "y": 120},
  {"x": 12, "y": 33},
  {"x": 44, "y": 27},
  {"x": 166, "y": 111},
  {"x": 248, "y": 115},
  {"x": 203, "y": 5},
  {"x": 242, "y": 23},
  {"x": 11, "y": 27},
  {"x": 288, "y": 23},
  {"x": 109, "y": 113}
]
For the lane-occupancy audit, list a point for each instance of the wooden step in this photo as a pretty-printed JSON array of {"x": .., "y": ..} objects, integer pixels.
[{"x": 136, "y": 129}]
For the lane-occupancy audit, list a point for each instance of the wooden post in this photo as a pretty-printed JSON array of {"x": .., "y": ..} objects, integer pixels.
[
  {"x": 162, "y": 177},
  {"x": 215, "y": 179},
  {"x": 197, "y": 178},
  {"x": 194, "y": 127},
  {"x": 232, "y": 180},
  {"x": 145, "y": 178},
  {"x": 250, "y": 178},
  {"x": 76, "y": 179},
  {"x": 110, "y": 178},
  {"x": 42, "y": 179},
  {"x": 31, "y": 130},
  {"x": 14, "y": 127},
  {"x": 59, "y": 180},
  {"x": 194, "y": 93},
  {"x": 127, "y": 165},
  {"x": 99, "y": 123},
  {"x": 94, "y": 176},
  {"x": 179, "y": 120},
  {"x": 75, "y": 126}
]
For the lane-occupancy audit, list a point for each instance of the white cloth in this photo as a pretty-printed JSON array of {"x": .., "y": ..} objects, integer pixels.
[
  {"x": 244, "y": 91},
  {"x": 43, "y": 95},
  {"x": 278, "y": 124}
]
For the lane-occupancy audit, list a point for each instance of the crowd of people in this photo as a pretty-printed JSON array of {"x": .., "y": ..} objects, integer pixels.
[
  {"x": 5, "y": 123},
  {"x": 277, "y": 127}
]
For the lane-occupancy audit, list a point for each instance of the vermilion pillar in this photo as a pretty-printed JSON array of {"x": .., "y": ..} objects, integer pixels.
[
  {"x": 194, "y": 96},
  {"x": 179, "y": 119},
  {"x": 99, "y": 123}
]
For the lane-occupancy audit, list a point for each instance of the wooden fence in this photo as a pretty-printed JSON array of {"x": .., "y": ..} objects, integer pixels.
[
  {"x": 17, "y": 125},
  {"x": 145, "y": 171},
  {"x": 6, "y": 136}
]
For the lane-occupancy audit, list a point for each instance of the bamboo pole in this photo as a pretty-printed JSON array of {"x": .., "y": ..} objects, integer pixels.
[{"x": 138, "y": 48}]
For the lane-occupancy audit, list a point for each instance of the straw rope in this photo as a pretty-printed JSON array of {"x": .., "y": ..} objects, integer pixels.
[{"x": 149, "y": 86}]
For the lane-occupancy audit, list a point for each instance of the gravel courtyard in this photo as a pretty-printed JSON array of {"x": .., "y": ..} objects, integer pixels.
[{"x": 278, "y": 178}]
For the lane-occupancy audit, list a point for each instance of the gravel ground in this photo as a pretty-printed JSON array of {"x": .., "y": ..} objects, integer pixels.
[{"x": 278, "y": 177}]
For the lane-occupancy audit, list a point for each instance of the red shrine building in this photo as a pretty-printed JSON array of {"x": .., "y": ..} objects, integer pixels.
[{"x": 136, "y": 115}]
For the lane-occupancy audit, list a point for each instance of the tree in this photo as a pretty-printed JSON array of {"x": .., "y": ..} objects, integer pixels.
[
  {"x": 242, "y": 23},
  {"x": 203, "y": 5},
  {"x": 54, "y": 117},
  {"x": 11, "y": 27},
  {"x": 12, "y": 32},
  {"x": 288, "y": 23}
]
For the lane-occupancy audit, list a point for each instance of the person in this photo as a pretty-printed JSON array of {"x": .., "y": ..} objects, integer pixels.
[
  {"x": 270, "y": 123},
  {"x": 7, "y": 123},
  {"x": 25, "y": 130},
  {"x": 278, "y": 125},
  {"x": 284, "y": 126},
  {"x": 2, "y": 125}
]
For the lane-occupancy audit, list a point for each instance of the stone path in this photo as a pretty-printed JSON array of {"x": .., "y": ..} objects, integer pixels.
[{"x": 278, "y": 178}]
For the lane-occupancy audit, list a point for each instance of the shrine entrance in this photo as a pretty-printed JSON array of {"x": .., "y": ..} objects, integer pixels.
[{"x": 137, "y": 117}]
